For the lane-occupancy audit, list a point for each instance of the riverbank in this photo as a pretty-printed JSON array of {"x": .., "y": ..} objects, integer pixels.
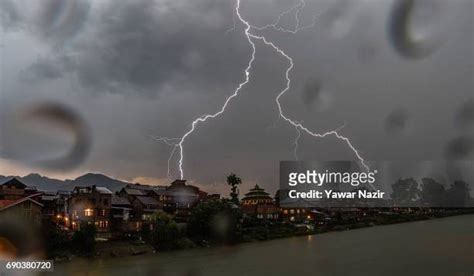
[
  {"x": 270, "y": 231},
  {"x": 430, "y": 247}
]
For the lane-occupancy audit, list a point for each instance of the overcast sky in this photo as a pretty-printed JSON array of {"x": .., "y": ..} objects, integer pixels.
[{"x": 131, "y": 70}]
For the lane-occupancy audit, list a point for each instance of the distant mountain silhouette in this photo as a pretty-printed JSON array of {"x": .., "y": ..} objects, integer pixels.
[{"x": 44, "y": 183}]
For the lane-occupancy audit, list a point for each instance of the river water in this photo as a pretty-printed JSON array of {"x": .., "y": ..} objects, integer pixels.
[{"x": 434, "y": 247}]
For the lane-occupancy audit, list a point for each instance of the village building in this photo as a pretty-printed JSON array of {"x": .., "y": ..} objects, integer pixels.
[
  {"x": 121, "y": 217},
  {"x": 258, "y": 203},
  {"x": 143, "y": 206},
  {"x": 90, "y": 205},
  {"x": 131, "y": 193},
  {"x": 14, "y": 189},
  {"x": 144, "y": 201},
  {"x": 25, "y": 208},
  {"x": 181, "y": 198}
]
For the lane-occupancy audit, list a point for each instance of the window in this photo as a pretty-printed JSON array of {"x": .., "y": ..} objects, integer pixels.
[
  {"x": 88, "y": 212},
  {"x": 106, "y": 201},
  {"x": 103, "y": 224},
  {"x": 102, "y": 212}
]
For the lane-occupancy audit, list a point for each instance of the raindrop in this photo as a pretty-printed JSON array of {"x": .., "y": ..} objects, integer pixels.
[
  {"x": 62, "y": 20},
  {"x": 465, "y": 114},
  {"x": 459, "y": 148},
  {"x": 39, "y": 135},
  {"x": 396, "y": 121},
  {"x": 315, "y": 96},
  {"x": 411, "y": 27}
]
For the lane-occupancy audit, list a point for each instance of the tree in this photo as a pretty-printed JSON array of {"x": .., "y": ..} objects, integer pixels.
[
  {"x": 433, "y": 193},
  {"x": 215, "y": 220},
  {"x": 233, "y": 181},
  {"x": 56, "y": 241},
  {"x": 458, "y": 195},
  {"x": 165, "y": 234},
  {"x": 83, "y": 240},
  {"x": 405, "y": 193}
]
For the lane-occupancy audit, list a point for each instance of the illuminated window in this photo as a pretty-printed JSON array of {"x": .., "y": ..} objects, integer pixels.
[
  {"x": 88, "y": 212},
  {"x": 103, "y": 224}
]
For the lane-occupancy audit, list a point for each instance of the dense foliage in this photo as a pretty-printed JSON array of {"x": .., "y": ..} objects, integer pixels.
[{"x": 215, "y": 221}]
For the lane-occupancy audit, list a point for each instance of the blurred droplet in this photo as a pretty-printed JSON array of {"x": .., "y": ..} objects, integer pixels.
[
  {"x": 62, "y": 20},
  {"x": 459, "y": 148},
  {"x": 414, "y": 27},
  {"x": 315, "y": 96},
  {"x": 465, "y": 114},
  {"x": 341, "y": 18},
  {"x": 221, "y": 224},
  {"x": 19, "y": 238},
  {"x": 396, "y": 121},
  {"x": 48, "y": 135}
]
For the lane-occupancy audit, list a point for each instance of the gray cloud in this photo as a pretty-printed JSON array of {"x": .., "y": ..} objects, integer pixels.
[
  {"x": 10, "y": 17},
  {"x": 143, "y": 46},
  {"x": 42, "y": 70},
  {"x": 138, "y": 68}
]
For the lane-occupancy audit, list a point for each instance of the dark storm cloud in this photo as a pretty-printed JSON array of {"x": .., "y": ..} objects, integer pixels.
[
  {"x": 117, "y": 55},
  {"x": 140, "y": 46}
]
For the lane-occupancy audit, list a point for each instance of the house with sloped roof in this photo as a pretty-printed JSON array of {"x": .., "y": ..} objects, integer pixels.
[
  {"x": 25, "y": 208},
  {"x": 144, "y": 206},
  {"x": 121, "y": 214},
  {"x": 130, "y": 193},
  {"x": 92, "y": 205},
  {"x": 14, "y": 189}
]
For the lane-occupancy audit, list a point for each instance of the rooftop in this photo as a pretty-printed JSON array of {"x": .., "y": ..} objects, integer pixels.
[
  {"x": 117, "y": 200},
  {"x": 148, "y": 200},
  {"x": 135, "y": 192},
  {"x": 15, "y": 182},
  {"x": 256, "y": 192},
  {"x": 5, "y": 204}
]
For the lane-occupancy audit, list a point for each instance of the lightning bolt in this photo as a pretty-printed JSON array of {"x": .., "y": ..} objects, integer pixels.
[
  {"x": 179, "y": 144},
  {"x": 227, "y": 101},
  {"x": 295, "y": 149}
]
